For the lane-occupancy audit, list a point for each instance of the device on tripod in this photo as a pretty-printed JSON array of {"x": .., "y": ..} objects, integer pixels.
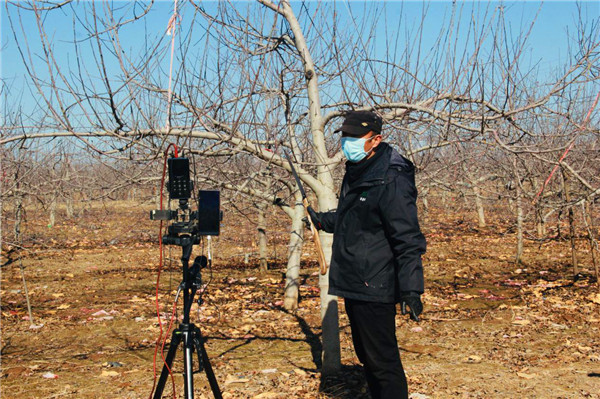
[{"x": 185, "y": 230}]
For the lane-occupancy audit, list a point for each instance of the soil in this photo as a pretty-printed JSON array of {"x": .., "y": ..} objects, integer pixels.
[{"x": 491, "y": 329}]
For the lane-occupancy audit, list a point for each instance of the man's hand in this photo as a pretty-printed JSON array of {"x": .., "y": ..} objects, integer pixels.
[
  {"x": 316, "y": 220},
  {"x": 413, "y": 301}
]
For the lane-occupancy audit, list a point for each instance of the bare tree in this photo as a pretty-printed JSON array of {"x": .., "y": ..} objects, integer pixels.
[{"x": 271, "y": 77}]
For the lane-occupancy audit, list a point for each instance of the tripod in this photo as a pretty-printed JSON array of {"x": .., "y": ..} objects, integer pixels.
[{"x": 187, "y": 333}]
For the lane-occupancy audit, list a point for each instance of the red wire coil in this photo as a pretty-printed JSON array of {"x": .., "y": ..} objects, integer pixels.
[{"x": 162, "y": 337}]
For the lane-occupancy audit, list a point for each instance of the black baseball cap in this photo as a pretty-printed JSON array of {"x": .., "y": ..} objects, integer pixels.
[{"x": 359, "y": 123}]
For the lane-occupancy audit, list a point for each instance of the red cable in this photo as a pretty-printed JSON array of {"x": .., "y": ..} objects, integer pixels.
[
  {"x": 160, "y": 265},
  {"x": 162, "y": 348}
]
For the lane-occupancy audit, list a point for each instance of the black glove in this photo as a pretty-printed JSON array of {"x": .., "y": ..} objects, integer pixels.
[
  {"x": 314, "y": 216},
  {"x": 306, "y": 222},
  {"x": 413, "y": 300}
]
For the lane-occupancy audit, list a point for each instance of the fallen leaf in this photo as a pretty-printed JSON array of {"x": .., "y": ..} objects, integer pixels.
[
  {"x": 137, "y": 299},
  {"x": 232, "y": 379},
  {"x": 473, "y": 359},
  {"x": 527, "y": 376},
  {"x": 268, "y": 371},
  {"x": 36, "y": 326},
  {"x": 100, "y": 313}
]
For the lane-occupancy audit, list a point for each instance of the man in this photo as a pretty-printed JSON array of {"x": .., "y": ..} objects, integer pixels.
[{"x": 377, "y": 248}]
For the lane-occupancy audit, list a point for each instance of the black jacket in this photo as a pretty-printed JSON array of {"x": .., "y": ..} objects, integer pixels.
[{"x": 377, "y": 242}]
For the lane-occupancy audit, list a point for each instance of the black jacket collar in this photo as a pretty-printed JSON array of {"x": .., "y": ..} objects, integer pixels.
[{"x": 375, "y": 171}]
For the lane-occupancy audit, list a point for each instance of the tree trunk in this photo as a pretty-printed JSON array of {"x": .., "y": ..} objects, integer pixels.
[
  {"x": 445, "y": 200},
  {"x": 331, "y": 357},
  {"x": 69, "y": 206},
  {"x": 589, "y": 224},
  {"x": 330, "y": 324},
  {"x": 262, "y": 239},
  {"x": 558, "y": 224},
  {"x": 52, "y": 218},
  {"x": 424, "y": 195},
  {"x": 132, "y": 194},
  {"x": 292, "y": 275},
  {"x": 19, "y": 242},
  {"x": 68, "y": 196},
  {"x": 540, "y": 222},
  {"x": 589, "y": 221},
  {"x": 479, "y": 205},
  {"x": 332, "y": 362},
  {"x": 571, "y": 219},
  {"x": 519, "y": 205},
  {"x": 18, "y": 216}
]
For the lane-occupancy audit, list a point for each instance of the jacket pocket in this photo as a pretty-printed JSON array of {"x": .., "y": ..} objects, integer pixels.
[
  {"x": 378, "y": 269},
  {"x": 363, "y": 260}
]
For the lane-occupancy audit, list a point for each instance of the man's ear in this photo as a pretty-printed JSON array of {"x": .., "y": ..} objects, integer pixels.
[{"x": 376, "y": 140}]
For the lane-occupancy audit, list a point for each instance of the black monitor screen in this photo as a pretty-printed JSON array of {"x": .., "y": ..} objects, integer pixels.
[{"x": 209, "y": 214}]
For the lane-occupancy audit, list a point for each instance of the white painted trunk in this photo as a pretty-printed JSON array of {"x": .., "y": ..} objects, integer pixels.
[
  {"x": 479, "y": 206},
  {"x": 52, "y": 218},
  {"x": 292, "y": 274},
  {"x": 329, "y": 304},
  {"x": 69, "y": 207},
  {"x": 324, "y": 189}
]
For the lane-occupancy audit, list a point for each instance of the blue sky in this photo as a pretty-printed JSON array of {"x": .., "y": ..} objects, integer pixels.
[{"x": 547, "y": 44}]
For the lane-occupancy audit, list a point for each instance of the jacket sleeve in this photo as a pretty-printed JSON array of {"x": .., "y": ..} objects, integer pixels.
[
  {"x": 327, "y": 220},
  {"x": 399, "y": 215}
]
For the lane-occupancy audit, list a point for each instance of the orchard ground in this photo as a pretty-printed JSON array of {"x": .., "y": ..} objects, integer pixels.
[{"x": 491, "y": 329}]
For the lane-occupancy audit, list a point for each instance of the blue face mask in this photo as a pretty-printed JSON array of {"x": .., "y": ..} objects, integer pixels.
[{"x": 354, "y": 148}]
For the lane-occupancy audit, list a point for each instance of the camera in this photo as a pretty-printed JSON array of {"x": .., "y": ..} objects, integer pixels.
[
  {"x": 186, "y": 228},
  {"x": 205, "y": 220}
]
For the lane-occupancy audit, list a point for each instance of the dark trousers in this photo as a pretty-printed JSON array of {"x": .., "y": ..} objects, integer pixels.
[{"x": 374, "y": 336}]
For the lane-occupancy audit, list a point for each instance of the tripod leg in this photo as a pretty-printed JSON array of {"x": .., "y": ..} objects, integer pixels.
[
  {"x": 164, "y": 374},
  {"x": 199, "y": 352},
  {"x": 188, "y": 371},
  {"x": 205, "y": 363}
]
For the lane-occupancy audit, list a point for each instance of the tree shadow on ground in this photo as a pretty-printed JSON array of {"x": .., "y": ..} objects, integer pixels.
[
  {"x": 349, "y": 383},
  {"x": 313, "y": 339}
]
